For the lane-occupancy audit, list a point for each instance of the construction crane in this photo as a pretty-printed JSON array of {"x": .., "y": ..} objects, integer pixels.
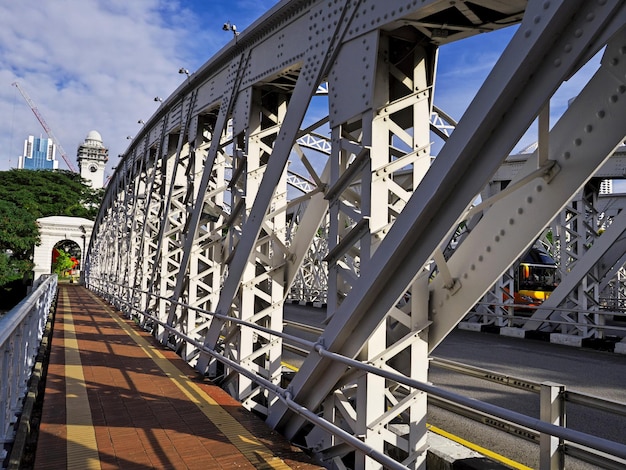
[{"x": 45, "y": 126}]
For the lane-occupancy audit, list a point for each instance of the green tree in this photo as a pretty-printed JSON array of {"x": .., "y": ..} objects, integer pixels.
[
  {"x": 19, "y": 234},
  {"x": 62, "y": 263},
  {"x": 45, "y": 193},
  {"x": 25, "y": 196}
]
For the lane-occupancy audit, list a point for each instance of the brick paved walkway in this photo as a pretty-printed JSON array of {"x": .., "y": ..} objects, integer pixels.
[{"x": 115, "y": 399}]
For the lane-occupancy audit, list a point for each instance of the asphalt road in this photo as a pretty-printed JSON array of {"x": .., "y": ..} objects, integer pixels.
[{"x": 597, "y": 373}]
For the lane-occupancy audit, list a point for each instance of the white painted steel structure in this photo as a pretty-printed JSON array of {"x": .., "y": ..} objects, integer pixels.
[
  {"x": 194, "y": 228},
  {"x": 21, "y": 331}
]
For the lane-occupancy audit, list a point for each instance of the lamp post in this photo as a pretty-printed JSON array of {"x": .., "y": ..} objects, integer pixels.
[{"x": 228, "y": 26}]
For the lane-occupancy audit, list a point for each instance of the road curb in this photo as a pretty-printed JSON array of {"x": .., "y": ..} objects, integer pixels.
[{"x": 609, "y": 344}]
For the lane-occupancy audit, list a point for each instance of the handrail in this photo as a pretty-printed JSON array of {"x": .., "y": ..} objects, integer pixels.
[
  {"x": 21, "y": 330},
  {"x": 579, "y": 451},
  {"x": 581, "y": 439}
]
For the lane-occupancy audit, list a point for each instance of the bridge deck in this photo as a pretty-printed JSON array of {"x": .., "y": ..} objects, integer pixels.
[{"x": 116, "y": 399}]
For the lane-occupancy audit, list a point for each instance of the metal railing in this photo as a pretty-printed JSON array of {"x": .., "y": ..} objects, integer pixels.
[
  {"x": 553, "y": 399},
  {"x": 615, "y": 451},
  {"x": 21, "y": 330}
]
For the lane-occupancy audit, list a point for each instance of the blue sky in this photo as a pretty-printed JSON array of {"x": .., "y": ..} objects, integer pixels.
[{"x": 98, "y": 64}]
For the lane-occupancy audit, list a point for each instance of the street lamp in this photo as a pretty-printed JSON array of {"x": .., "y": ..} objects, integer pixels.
[
  {"x": 184, "y": 70},
  {"x": 160, "y": 100},
  {"x": 228, "y": 26}
]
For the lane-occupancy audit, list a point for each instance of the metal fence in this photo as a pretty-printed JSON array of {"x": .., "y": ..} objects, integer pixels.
[
  {"x": 553, "y": 398},
  {"x": 551, "y": 430},
  {"x": 21, "y": 330}
]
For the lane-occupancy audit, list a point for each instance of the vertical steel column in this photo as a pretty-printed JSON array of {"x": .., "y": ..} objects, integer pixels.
[
  {"x": 552, "y": 410},
  {"x": 578, "y": 228},
  {"x": 205, "y": 265},
  {"x": 373, "y": 148}
]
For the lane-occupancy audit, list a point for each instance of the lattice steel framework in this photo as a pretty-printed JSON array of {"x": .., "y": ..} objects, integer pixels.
[{"x": 195, "y": 229}]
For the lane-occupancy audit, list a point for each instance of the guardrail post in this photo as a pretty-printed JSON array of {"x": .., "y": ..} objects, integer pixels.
[{"x": 552, "y": 410}]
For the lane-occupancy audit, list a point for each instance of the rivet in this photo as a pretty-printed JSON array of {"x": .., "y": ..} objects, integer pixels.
[
  {"x": 511, "y": 221},
  {"x": 529, "y": 199},
  {"x": 520, "y": 210},
  {"x": 578, "y": 142},
  {"x": 567, "y": 155},
  {"x": 588, "y": 128}
]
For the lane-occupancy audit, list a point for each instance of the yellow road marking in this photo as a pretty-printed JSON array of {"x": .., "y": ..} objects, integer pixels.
[
  {"x": 477, "y": 448},
  {"x": 239, "y": 436},
  {"x": 82, "y": 448}
]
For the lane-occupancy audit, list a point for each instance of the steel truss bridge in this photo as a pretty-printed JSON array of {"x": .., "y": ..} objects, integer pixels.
[{"x": 300, "y": 155}]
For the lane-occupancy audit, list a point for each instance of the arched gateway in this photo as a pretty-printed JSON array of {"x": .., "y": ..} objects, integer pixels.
[{"x": 58, "y": 229}]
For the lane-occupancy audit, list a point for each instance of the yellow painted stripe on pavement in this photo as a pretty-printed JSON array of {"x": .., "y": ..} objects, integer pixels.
[
  {"x": 259, "y": 455},
  {"x": 82, "y": 448},
  {"x": 477, "y": 448}
]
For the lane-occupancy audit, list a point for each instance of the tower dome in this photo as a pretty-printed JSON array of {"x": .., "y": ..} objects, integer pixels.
[{"x": 94, "y": 139}]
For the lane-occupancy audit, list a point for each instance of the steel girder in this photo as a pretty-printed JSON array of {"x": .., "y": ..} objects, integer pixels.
[
  {"x": 502, "y": 111},
  {"x": 596, "y": 286},
  {"x": 605, "y": 253},
  {"x": 214, "y": 245}
]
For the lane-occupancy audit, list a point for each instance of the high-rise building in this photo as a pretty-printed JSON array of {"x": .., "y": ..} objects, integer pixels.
[
  {"x": 92, "y": 157},
  {"x": 606, "y": 187},
  {"x": 39, "y": 154}
]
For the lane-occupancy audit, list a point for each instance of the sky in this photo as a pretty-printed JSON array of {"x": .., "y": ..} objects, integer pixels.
[{"x": 99, "y": 64}]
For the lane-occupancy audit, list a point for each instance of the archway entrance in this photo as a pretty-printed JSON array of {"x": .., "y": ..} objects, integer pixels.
[{"x": 60, "y": 232}]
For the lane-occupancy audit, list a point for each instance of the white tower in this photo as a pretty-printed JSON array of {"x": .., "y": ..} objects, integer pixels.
[{"x": 92, "y": 157}]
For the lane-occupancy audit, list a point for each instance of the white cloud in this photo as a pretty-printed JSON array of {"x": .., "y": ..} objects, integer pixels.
[{"x": 98, "y": 64}]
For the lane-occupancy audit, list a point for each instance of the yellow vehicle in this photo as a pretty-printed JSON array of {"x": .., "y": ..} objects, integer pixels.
[{"x": 536, "y": 277}]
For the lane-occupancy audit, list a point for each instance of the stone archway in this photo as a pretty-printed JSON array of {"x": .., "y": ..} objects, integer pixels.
[{"x": 58, "y": 229}]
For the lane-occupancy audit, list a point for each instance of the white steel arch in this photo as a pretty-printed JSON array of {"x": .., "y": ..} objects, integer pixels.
[{"x": 193, "y": 230}]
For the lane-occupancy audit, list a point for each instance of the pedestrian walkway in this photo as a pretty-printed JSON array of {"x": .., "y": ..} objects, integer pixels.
[{"x": 115, "y": 399}]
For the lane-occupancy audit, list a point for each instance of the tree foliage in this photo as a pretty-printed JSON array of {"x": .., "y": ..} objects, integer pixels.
[
  {"x": 25, "y": 196},
  {"x": 45, "y": 193},
  {"x": 63, "y": 263}
]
